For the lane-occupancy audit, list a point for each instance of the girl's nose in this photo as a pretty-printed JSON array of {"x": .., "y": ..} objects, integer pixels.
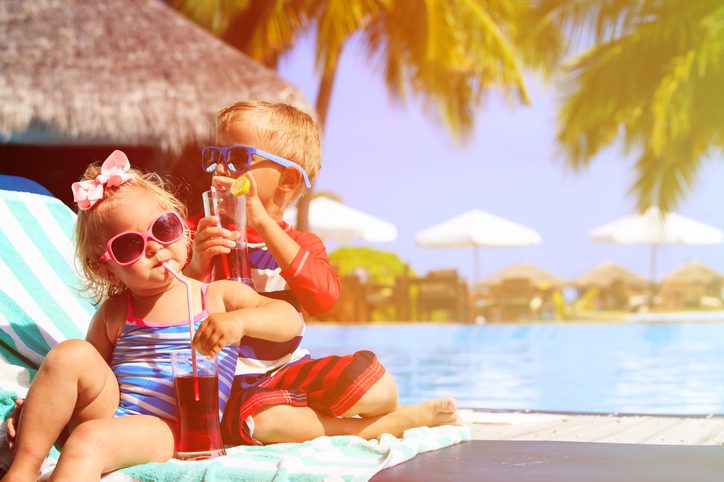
[{"x": 152, "y": 247}]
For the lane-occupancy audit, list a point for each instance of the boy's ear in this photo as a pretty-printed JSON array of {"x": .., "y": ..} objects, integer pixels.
[{"x": 291, "y": 179}]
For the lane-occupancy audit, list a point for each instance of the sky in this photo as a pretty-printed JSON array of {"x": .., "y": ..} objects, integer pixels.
[{"x": 397, "y": 163}]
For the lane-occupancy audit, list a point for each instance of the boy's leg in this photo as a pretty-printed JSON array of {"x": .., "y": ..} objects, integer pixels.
[
  {"x": 73, "y": 384},
  {"x": 284, "y": 423},
  {"x": 379, "y": 399},
  {"x": 99, "y": 446}
]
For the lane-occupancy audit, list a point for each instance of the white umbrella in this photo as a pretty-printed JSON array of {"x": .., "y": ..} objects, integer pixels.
[
  {"x": 330, "y": 219},
  {"x": 474, "y": 229},
  {"x": 654, "y": 228}
]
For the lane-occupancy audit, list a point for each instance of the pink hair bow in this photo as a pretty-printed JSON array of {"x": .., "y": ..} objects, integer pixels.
[{"x": 114, "y": 172}]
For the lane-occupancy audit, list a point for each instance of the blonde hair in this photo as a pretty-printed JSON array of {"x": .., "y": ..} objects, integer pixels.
[
  {"x": 286, "y": 131},
  {"x": 91, "y": 236}
]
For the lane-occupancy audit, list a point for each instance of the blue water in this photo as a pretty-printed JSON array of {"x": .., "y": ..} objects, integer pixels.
[{"x": 656, "y": 368}]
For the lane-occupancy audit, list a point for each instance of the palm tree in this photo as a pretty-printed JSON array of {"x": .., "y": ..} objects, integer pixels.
[
  {"x": 448, "y": 52},
  {"x": 654, "y": 78}
]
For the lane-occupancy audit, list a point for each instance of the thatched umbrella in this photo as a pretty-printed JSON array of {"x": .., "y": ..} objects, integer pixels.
[
  {"x": 604, "y": 274},
  {"x": 693, "y": 272},
  {"x": 119, "y": 72},
  {"x": 536, "y": 275},
  {"x": 692, "y": 285}
]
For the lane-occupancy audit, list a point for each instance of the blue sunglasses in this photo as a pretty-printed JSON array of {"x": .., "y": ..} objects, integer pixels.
[{"x": 238, "y": 159}]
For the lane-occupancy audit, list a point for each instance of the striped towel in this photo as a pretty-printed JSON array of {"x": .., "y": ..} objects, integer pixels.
[{"x": 40, "y": 305}]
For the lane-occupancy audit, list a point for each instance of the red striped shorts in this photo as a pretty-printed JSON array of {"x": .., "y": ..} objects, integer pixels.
[{"x": 329, "y": 385}]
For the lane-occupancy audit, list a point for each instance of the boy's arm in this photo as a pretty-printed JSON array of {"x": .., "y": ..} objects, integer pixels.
[
  {"x": 247, "y": 314},
  {"x": 305, "y": 266}
]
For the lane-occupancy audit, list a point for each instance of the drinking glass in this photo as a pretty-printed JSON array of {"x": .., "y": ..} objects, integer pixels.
[
  {"x": 231, "y": 211},
  {"x": 197, "y": 399}
]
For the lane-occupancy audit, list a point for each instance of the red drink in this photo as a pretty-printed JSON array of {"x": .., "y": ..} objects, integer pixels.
[
  {"x": 231, "y": 211},
  {"x": 197, "y": 399},
  {"x": 233, "y": 266}
]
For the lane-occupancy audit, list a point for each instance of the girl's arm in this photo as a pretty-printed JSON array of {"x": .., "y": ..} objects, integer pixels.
[
  {"x": 245, "y": 313},
  {"x": 100, "y": 333}
]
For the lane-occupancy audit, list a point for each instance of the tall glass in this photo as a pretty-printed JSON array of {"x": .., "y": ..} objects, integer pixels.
[
  {"x": 231, "y": 211},
  {"x": 197, "y": 399}
]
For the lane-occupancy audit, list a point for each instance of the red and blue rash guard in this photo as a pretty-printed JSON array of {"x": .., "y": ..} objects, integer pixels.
[{"x": 310, "y": 283}]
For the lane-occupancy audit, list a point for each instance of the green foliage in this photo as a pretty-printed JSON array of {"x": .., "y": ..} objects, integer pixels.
[
  {"x": 382, "y": 267},
  {"x": 652, "y": 79},
  {"x": 449, "y": 53}
]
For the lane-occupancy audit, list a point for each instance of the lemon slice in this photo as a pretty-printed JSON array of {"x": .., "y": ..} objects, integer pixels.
[{"x": 240, "y": 186}]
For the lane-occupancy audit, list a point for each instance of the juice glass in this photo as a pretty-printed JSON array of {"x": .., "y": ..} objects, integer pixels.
[
  {"x": 197, "y": 399},
  {"x": 231, "y": 211}
]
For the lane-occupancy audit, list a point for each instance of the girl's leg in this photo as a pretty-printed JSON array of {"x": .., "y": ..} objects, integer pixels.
[
  {"x": 284, "y": 423},
  {"x": 74, "y": 384},
  {"x": 99, "y": 446}
]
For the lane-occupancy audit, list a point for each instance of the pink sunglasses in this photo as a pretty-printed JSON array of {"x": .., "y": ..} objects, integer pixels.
[{"x": 127, "y": 247}]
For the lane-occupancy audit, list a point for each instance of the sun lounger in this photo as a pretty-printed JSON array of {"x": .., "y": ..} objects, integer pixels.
[
  {"x": 40, "y": 306},
  {"x": 523, "y": 461}
]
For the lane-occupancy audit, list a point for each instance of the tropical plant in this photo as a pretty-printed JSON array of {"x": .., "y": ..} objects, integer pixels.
[
  {"x": 379, "y": 272},
  {"x": 653, "y": 79},
  {"x": 450, "y": 53},
  {"x": 377, "y": 266}
]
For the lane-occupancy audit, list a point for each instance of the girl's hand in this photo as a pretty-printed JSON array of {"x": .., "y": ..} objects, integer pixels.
[
  {"x": 217, "y": 331},
  {"x": 11, "y": 424},
  {"x": 210, "y": 240}
]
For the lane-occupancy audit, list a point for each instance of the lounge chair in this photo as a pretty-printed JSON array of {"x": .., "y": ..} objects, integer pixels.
[{"x": 442, "y": 290}]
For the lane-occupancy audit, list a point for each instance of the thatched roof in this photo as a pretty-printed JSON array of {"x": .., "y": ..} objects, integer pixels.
[
  {"x": 692, "y": 272},
  {"x": 531, "y": 272},
  {"x": 605, "y": 273},
  {"x": 119, "y": 72}
]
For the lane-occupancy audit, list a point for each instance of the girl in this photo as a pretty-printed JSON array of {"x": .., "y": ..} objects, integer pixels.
[{"x": 113, "y": 394}]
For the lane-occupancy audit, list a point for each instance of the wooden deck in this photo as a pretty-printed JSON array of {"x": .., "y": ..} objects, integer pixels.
[{"x": 566, "y": 427}]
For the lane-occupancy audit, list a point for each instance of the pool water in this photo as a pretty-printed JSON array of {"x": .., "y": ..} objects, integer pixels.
[{"x": 653, "y": 368}]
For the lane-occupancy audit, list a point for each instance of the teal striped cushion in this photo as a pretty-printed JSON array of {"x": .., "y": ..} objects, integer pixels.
[{"x": 40, "y": 304}]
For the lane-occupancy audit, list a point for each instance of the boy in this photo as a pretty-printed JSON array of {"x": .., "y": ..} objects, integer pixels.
[
  {"x": 287, "y": 264},
  {"x": 280, "y": 394}
]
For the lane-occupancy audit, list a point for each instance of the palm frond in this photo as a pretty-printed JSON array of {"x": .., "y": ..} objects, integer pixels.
[
  {"x": 337, "y": 21},
  {"x": 213, "y": 15},
  {"x": 656, "y": 87}
]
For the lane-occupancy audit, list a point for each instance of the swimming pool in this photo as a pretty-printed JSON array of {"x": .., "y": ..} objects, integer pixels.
[{"x": 656, "y": 368}]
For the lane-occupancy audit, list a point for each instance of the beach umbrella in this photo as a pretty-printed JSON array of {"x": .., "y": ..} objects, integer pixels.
[
  {"x": 654, "y": 228},
  {"x": 331, "y": 219},
  {"x": 476, "y": 229},
  {"x": 119, "y": 72}
]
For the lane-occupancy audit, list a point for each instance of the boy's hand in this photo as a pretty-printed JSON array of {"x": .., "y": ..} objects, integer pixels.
[
  {"x": 209, "y": 241},
  {"x": 217, "y": 331},
  {"x": 11, "y": 424},
  {"x": 256, "y": 214}
]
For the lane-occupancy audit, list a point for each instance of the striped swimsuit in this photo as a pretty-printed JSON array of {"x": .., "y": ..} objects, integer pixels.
[{"x": 141, "y": 361}]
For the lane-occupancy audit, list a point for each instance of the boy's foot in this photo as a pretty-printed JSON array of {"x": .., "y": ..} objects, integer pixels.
[{"x": 441, "y": 411}]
